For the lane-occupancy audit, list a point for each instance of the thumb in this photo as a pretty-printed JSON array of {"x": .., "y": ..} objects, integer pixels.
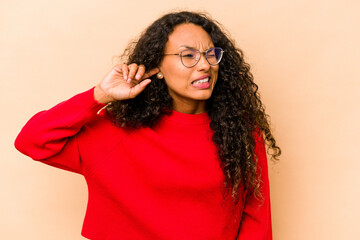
[{"x": 138, "y": 88}]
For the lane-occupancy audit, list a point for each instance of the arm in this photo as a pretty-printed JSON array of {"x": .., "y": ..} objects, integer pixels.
[
  {"x": 52, "y": 136},
  {"x": 256, "y": 223},
  {"x": 45, "y": 135}
]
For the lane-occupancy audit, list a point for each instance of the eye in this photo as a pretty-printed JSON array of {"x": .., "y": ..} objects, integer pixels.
[
  {"x": 188, "y": 55},
  {"x": 211, "y": 53}
]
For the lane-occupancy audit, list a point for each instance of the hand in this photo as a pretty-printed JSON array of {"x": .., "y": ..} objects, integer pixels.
[{"x": 123, "y": 82}]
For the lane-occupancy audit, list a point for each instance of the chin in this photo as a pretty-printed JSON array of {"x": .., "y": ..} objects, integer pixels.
[{"x": 203, "y": 96}]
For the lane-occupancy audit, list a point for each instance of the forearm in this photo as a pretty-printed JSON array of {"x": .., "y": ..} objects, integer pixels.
[{"x": 46, "y": 133}]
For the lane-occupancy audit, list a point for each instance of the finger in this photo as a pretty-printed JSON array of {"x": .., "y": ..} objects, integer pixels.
[
  {"x": 138, "y": 88},
  {"x": 125, "y": 71},
  {"x": 140, "y": 72},
  {"x": 151, "y": 72},
  {"x": 117, "y": 68},
  {"x": 133, "y": 68}
]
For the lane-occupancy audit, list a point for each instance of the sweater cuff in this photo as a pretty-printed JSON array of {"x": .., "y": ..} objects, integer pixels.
[
  {"x": 88, "y": 97},
  {"x": 86, "y": 106}
]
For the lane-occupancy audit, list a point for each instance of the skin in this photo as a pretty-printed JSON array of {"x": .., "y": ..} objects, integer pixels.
[
  {"x": 127, "y": 81},
  {"x": 178, "y": 78},
  {"x": 123, "y": 82}
]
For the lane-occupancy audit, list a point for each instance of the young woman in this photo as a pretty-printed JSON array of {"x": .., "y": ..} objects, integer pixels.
[{"x": 171, "y": 144}]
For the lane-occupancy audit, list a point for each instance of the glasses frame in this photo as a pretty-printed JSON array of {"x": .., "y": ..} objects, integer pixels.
[{"x": 198, "y": 56}]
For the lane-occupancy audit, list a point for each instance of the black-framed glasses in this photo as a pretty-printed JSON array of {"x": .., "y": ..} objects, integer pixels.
[{"x": 190, "y": 57}]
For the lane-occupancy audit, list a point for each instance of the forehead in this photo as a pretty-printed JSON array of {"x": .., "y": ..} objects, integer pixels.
[{"x": 189, "y": 35}]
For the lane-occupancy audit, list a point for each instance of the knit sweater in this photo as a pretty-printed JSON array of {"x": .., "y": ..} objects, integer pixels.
[{"x": 163, "y": 182}]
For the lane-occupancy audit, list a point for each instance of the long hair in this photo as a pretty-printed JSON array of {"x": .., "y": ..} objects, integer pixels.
[{"x": 234, "y": 108}]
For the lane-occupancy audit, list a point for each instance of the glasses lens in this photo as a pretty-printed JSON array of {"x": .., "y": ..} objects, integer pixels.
[
  {"x": 189, "y": 57},
  {"x": 214, "y": 55}
]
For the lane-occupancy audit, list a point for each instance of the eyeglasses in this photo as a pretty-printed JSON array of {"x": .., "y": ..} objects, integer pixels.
[{"x": 190, "y": 57}]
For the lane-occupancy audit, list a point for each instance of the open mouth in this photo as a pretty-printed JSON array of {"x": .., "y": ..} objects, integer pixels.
[{"x": 201, "y": 81}]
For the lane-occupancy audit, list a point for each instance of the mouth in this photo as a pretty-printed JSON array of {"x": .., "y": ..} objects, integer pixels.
[{"x": 201, "y": 81}]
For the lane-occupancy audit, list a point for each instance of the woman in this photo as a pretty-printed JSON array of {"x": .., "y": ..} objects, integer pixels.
[{"x": 171, "y": 143}]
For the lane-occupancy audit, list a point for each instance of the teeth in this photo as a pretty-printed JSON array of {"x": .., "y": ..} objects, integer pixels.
[{"x": 201, "y": 81}]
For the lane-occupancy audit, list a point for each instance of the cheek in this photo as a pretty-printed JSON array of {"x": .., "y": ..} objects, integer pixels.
[
  {"x": 176, "y": 74},
  {"x": 216, "y": 69},
  {"x": 216, "y": 73},
  {"x": 169, "y": 67}
]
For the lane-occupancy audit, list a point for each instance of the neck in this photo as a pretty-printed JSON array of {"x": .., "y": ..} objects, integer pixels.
[{"x": 190, "y": 108}]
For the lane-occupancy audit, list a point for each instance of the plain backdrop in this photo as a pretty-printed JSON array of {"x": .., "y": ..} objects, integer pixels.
[{"x": 304, "y": 56}]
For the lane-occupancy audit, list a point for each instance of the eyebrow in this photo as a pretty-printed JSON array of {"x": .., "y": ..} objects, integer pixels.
[
  {"x": 189, "y": 47},
  {"x": 186, "y": 46}
]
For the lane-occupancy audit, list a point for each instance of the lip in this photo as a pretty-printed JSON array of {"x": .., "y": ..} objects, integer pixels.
[
  {"x": 205, "y": 85},
  {"x": 202, "y": 85},
  {"x": 202, "y": 77}
]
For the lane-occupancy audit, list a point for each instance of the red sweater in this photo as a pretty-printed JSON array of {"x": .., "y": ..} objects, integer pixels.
[{"x": 163, "y": 182}]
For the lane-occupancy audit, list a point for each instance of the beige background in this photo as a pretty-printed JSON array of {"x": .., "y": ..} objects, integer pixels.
[{"x": 304, "y": 56}]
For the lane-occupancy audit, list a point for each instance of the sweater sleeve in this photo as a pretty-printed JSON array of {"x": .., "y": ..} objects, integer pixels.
[
  {"x": 50, "y": 136},
  {"x": 256, "y": 223}
]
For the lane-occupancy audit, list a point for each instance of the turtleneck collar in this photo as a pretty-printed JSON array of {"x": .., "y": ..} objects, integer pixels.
[{"x": 188, "y": 119}]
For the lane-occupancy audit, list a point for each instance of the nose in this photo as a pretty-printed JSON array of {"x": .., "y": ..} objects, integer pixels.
[{"x": 203, "y": 64}]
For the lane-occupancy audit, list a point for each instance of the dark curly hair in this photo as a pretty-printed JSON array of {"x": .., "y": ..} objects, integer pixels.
[{"x": 234, "y": 108}]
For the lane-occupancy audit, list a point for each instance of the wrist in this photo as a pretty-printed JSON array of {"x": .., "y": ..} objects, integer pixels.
[{"x": 100, "y": 96}]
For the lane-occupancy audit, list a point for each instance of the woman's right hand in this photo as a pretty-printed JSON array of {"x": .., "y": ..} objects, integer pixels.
[{"x": 123, "y": 82}]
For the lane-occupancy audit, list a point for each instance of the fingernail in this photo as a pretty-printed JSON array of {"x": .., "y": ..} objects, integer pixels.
[{"x": 138, "y": 76}]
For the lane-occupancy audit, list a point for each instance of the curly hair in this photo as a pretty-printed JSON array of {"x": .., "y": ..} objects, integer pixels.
[{"x": 236, "y": 112}]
